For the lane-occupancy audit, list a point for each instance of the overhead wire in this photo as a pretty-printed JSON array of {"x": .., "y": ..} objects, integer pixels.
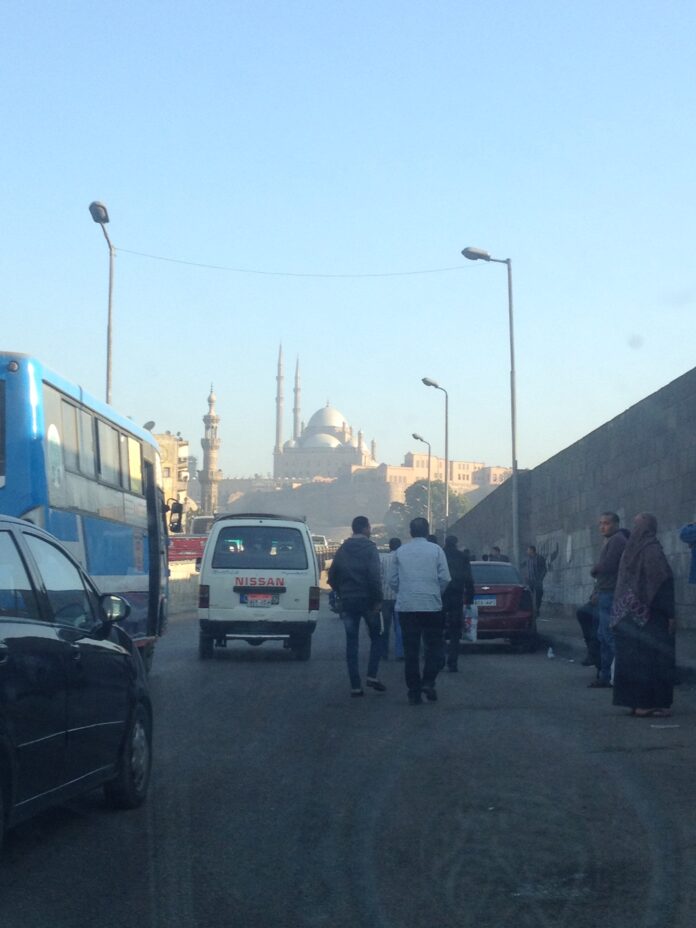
[{"x": 263, "y": 273}]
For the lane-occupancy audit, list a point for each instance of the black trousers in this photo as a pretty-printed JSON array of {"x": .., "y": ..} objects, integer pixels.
[
  {"x": 589, "y": 620},
  {"x": 427, "y": 627},
  {"x": 454, "y": 621}
]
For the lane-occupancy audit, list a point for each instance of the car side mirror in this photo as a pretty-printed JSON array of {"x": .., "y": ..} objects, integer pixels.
[
  {"x": 114, "y": 608},
  {"x": 198, "y": 564}
]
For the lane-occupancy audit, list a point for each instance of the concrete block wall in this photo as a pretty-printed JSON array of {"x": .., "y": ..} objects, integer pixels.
[{"x": 643, "y": 460}]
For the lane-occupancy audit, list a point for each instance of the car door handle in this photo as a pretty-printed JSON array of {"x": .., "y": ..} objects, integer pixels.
[
  {"x": 75, "y": 651},
  {"x": 4, "y": 653}
]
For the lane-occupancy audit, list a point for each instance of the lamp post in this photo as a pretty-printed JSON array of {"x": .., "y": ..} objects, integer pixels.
[
  {"x": 477, "y": 254},
  {"x": 100, "y": 215},
  {"x": 420, "y": 438},
  {"x": 433, "y": 383}
]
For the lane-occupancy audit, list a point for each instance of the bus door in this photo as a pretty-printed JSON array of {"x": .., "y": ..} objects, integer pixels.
[{"x": 156, "y": 540}]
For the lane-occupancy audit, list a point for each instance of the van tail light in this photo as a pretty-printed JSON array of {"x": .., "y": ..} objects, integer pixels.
[
  {"x": 203, "y": 596},
  {"x": 526, "y": 602},
  {"x": 314, "y": 598}
]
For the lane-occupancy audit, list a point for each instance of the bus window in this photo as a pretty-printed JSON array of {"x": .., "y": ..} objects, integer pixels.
[
  {"x": 135, "y": 466},
  {"x": 88, "y": 464},
  {"x": 109, "y": 467},
  {"x": 70, "y": 443},
  {"x": 123, "y": 455}
]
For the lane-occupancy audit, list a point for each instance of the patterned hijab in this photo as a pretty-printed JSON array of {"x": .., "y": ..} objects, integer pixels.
[{"x": 642, "y": 571}]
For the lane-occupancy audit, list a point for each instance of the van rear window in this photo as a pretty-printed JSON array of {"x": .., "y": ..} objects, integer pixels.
[{"x": 259, "y": 546}]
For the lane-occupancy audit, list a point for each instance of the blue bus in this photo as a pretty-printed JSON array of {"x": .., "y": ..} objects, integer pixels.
[{"x": 73, "y": 466}]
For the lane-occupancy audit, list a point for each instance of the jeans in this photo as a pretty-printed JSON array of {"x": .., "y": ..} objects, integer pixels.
[
  {"x": 430, "y": 627},
  {"x": 351, "y": 623},
  {"x": 605, "y": 634},
  {"x": 387, "y": 620}
]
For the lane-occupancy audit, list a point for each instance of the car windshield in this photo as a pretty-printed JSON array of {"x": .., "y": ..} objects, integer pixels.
[
  {"x": 259, "y": 546},
  {"x": 495, "y": 573}
]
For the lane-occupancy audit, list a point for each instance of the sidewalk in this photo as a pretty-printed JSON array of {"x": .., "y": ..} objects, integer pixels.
[{"x": 564, "y": 636}]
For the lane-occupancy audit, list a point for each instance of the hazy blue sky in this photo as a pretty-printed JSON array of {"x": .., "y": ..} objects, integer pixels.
[{"x": 360, "y": 138}]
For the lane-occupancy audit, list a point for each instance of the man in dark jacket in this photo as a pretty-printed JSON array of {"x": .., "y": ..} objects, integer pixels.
[
  {"x": 605, "y": 573},
  {"x": 355, "y": 576},
  {"x": 459, "y": 592},
  {"x": 536, "y": 571}
]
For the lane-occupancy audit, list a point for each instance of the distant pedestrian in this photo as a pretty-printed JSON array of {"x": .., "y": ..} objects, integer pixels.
[
  {"x": 644, "y": 624},
  {"x": 389, "y": 618},
  {"x": 495, "y": 555},
  {"x": 355, "y": 576},
  {"x": 419, "y": 575},
  {"x": 459, "y": 592},
  {"x": 687, "y": 534},
  {"x": 536, "y": 571},
  {"x": 605, "y": 572}
]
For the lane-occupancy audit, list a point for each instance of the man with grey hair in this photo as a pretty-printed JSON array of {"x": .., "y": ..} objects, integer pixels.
[{"x": 419, "y": 575}]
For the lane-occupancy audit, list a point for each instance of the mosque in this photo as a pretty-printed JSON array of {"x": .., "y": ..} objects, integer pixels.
[{"x": 327, "y": 447}]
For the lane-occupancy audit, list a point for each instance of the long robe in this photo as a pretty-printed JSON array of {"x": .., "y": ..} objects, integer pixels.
[{"x": 645, "y": 661}]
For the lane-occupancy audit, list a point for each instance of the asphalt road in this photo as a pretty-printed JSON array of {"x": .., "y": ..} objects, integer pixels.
[{"x": 520, "y": 799}]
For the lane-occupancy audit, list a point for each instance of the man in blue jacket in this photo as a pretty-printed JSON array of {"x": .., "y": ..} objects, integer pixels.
[{"x": 355, "y": 576}]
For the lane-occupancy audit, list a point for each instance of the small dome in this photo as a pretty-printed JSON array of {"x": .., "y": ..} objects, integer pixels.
[
  {"x": 328, "y": 417},
  {"x": 321, "y": 440},
  {"x": 290, "y": 443}
]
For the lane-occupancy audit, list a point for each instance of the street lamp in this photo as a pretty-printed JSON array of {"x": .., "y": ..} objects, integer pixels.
[
  {"x": 420, "y": 438},
  {"x": 433, "y": 383},
  {"x": 477, "y": 254},
  {"x": 100, "y": 214}
]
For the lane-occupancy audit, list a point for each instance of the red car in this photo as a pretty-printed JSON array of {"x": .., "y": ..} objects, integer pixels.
[{"x": 505, "y": 605}]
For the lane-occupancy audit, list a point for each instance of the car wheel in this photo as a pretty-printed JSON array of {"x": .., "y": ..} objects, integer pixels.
[
  {"x": 301, "y": 647},
  {"x": 205, "y": 646},
  {"x": 526, "y": 643},
  {"x": 129, "y": 787}
]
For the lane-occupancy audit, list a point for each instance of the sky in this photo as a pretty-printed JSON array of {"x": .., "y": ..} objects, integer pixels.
[{"x": 307, "y": 173}]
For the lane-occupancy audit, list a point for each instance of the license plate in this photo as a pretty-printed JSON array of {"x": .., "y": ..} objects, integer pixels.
[
  {"x": 258, "y": 600},
  {"x": 484, "y": 600}
]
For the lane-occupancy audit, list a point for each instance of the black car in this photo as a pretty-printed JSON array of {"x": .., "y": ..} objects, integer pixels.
[{"x": 74, "y": 706}]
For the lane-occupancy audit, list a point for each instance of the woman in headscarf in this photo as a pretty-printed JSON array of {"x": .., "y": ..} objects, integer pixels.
[{"x": 643, "y": 620}]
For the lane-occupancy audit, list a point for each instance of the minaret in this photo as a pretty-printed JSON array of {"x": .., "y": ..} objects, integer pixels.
[
  {"x": 210, "y": 475},
  {"x": 279, "y": 404},
  {"x": 296, "y": 407}
]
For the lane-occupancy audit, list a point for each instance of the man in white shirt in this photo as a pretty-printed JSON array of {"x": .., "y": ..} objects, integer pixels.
[
  {"x": 419, "y": 575},
  {"x": 389, "y": 616}
]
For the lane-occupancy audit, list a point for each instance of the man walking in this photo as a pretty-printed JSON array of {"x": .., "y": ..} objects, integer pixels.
[
  {"x": 605, "y": 572},
  {"x": 459, "y": 592},
  {"x": 536, "y": 571},
  {"x": 389, "y": 618},
  {"x": 355, "y": 576},
  {"x": 419, "y": 575}
]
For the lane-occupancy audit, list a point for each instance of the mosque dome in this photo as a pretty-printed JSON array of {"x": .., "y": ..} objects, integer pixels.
[
  {"x": 326, "y": 418},
  {"x": 290, "y": 443},
  {"x": 321, "y": 440}
]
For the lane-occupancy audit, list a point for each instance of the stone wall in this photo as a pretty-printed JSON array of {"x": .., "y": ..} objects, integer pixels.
[{"x": 643, "y": 460}]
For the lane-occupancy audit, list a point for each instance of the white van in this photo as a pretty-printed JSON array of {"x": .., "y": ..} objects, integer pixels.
[{"x": 259, "y": 582}]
